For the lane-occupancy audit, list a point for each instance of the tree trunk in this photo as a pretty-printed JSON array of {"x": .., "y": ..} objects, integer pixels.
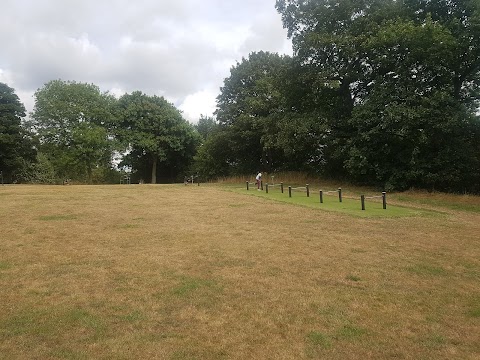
[{"x": 154, "y": 170}]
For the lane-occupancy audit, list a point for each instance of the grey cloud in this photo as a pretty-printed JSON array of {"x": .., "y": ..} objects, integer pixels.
[
  {"x": 171, "y": 48},
  {"x": 174, "y": 71},
  {"x": 264, "y": 36}
]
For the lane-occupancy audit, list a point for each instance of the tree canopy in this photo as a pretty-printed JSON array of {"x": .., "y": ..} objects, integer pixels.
[
  {"x": 73, "y": 122},
  {"x": 156, "y": 135},
  {"x": 16, "y": 143},
  {"x": 380, "y": 92}
]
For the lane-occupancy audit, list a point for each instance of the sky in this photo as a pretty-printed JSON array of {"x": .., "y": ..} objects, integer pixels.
[{"x": 180, "y": 49}]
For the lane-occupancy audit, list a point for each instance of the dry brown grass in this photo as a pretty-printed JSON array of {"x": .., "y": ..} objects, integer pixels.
[{"x": 174, "y": 272}]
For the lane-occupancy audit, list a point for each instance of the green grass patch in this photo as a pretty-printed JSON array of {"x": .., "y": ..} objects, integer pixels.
[
  {"x": 331, "y": 203},
  {"x": 57, "y": 217},
  {"x": 353, "y": 278},
  {"x": 129, "y": 226},
  {"x": 84, "y": 319},
  {"x": 190, "y": 285},
  {"x": 319, "y": 339},
  {"x": 4, "y": 265},
  {"x": 474, "y": 313},
  {"x": 428, "y": 270},
  {"x": 50, "y": 323},
  {"x": 133, "y": 316},
  {"x": 434, "y": 341},
  {"x": 350, "y": 332}
]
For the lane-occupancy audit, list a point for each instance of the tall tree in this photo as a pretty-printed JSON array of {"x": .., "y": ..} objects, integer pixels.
[
  {"x": 248, "y": 109},
  {"x": 402, "y": 83},
  {"x": 16, "y": 143},
  {"x": 157, "y": 135},
  {"x": 73, "y": 121}
]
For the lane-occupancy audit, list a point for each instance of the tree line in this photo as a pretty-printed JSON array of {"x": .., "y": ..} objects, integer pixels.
[
  {"x": 378, "y": 92},
  {"x": 75, "y": 130}
]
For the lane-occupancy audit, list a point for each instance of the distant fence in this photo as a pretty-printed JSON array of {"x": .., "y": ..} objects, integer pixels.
[{"x": 306, "y": 189}]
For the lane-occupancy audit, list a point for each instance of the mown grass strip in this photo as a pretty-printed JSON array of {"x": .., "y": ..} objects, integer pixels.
[{"x": 349, "y": 206}]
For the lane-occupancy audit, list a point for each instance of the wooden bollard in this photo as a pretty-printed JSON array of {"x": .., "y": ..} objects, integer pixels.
[
  {"x": 384, "y": 198},
  {"x": 281, "y": 187},
  {"x": 340, "y": 194},
  {"x": 289, "y": 191},
  {"x": 266, "y": 188},
  {"x": 321, "y": 197},
  {"x": 247, "y": 185},
  {"x": 261, "y": 185},
  {"x": 308, "y": 191},
  {"x": 362, "y": 200}
]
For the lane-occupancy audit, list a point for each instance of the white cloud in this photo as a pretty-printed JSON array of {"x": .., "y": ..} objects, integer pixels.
[
  {"x": 182, "y": 50},
  {"x": 5, "y": 76},
  {"x": 200, "y": 103}
]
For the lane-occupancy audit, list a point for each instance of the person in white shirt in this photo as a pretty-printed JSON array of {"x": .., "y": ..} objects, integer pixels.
[{"x": 259, "y": 179}]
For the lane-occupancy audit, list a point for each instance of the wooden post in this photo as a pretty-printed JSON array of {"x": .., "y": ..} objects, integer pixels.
[
  {"x": 281, "y": 187},
  {"x": 247, "y": 185},
  {"x": 362, "y": 199},
  {"x": 289, "y": 191},
  {"x": 340, "y": 194},
  {"x": 261, "y": 185},
  {"x": 321, "y": 197},
  {"x": 266, "y": 188},
  {"x": 384, "y": 198},
  {"x": 308, "y": 191}
]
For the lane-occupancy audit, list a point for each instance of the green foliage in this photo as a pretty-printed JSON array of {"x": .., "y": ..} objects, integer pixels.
[
  {"x": 16, "y": 143},
  {"x": 206, "y": 126},
  {"x": 211, "y": 160},
  {"x": 160, "y": 141},
  {"x": 41, "y": 172},
  {"x": 394, "y": 87},
  {"x": 73, "y": 121},
  {"x": 250, "y": 110}
]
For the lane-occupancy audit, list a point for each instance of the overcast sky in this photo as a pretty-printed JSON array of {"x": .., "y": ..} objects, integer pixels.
[{"x": 179, "y": 49}]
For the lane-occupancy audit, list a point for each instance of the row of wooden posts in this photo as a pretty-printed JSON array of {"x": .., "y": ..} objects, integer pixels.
[{"x": 321, "y": 192}]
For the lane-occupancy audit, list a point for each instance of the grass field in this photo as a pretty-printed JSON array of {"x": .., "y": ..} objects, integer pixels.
[{"x": 212, "y": 272}]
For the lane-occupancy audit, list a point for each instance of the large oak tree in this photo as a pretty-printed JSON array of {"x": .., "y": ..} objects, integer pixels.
[
  {"x": 157, "y": 136},
  {"x": 73, "y": 122}
]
